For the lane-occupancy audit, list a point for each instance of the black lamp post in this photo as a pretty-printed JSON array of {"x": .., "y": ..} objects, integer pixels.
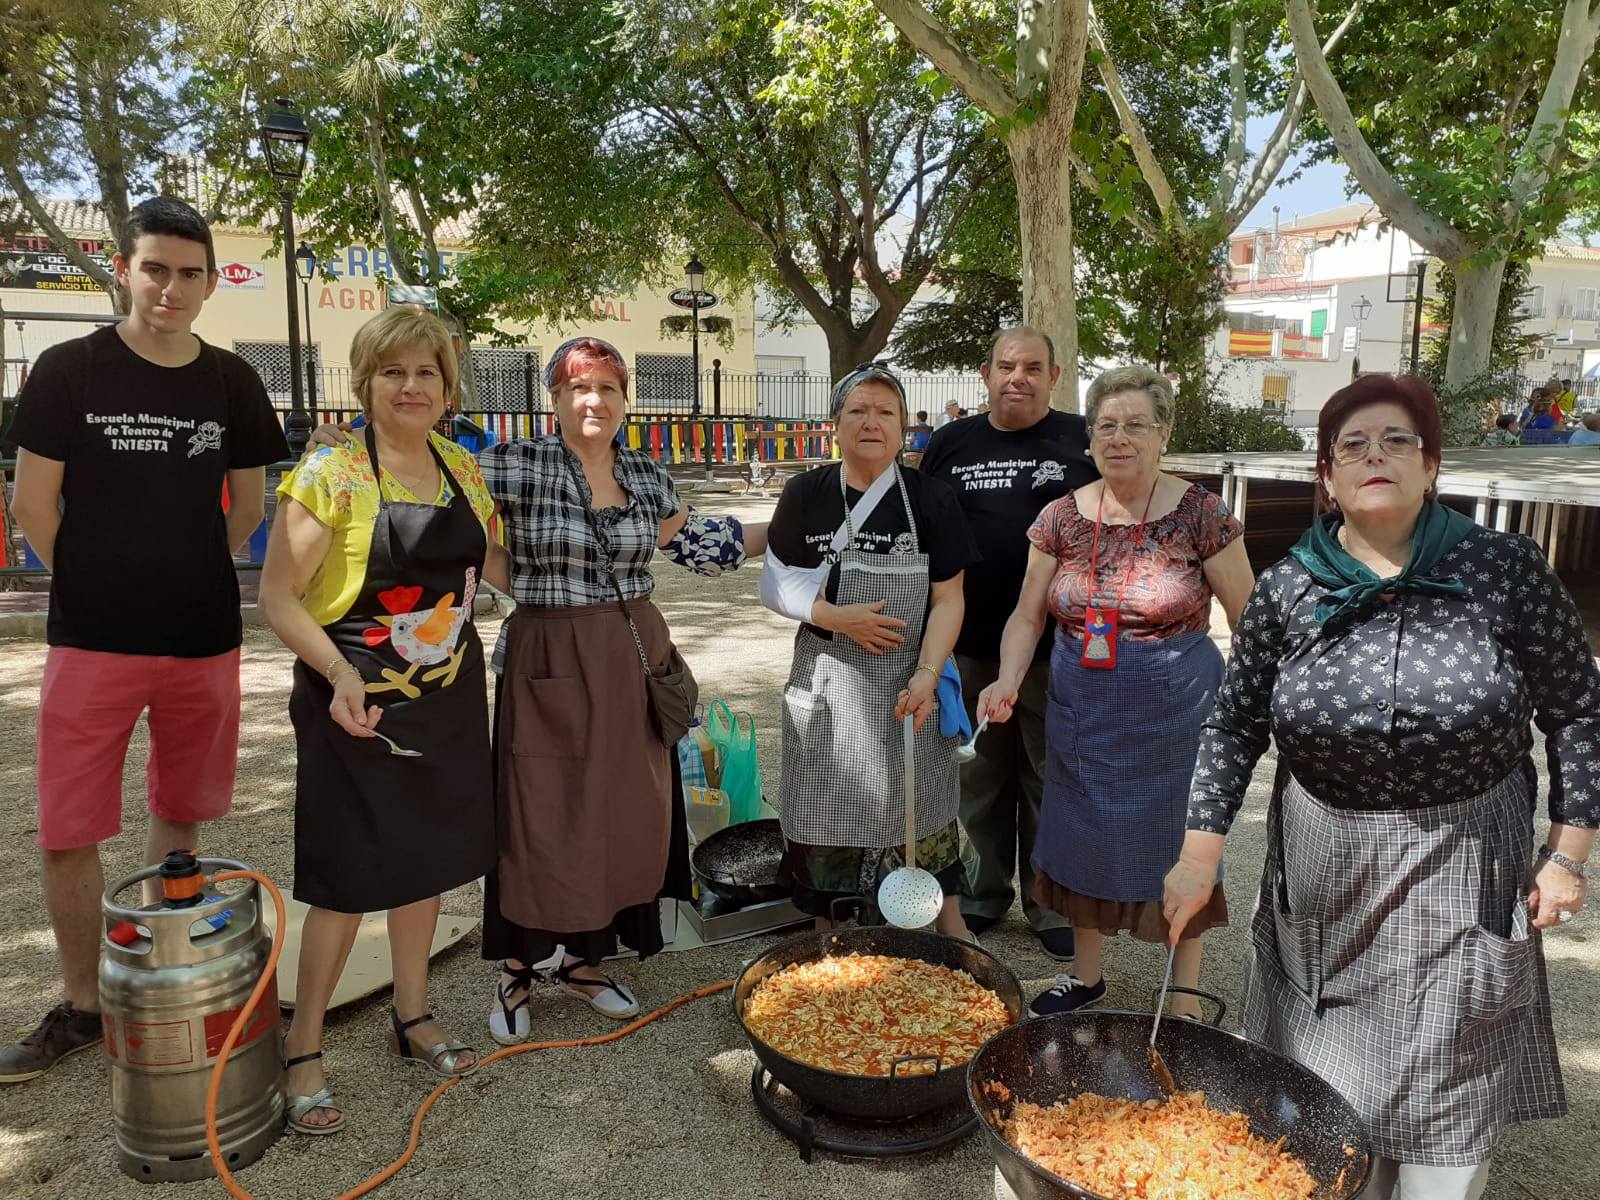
[
  {"x": 284, "y": 138},
  {"x": 697, "y": 276},
  {"x": 305, "y": 266}
]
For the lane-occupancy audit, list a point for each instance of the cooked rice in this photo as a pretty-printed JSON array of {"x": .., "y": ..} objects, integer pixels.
[
  {"x": 1180, "y": 1149},
  {"x": 858, "y": 1013}
]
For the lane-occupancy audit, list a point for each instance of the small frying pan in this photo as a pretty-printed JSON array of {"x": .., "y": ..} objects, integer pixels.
[{"x": 739, "y": 864}]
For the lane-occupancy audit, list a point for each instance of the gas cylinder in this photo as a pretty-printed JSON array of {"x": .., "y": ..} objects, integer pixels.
[{"x": 173, "y": 978}]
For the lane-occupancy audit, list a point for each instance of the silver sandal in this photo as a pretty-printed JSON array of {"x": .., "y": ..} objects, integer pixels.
[
  {"x": 442, "y": 1058},
  {"x": 296, "y": 1108}
]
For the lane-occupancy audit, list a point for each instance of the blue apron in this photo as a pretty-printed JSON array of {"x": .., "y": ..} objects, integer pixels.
[{"x": 1120, "y": 748}]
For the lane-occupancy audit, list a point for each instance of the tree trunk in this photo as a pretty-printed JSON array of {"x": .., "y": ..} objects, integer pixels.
[
  {"x": 1472, "y": 320},
  {"x": 847, "y": 351},
  {"x": 1044, "y": 202}
]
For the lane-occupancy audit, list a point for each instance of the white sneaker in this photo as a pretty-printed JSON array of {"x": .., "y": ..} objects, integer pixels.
[{"x": 612, "y": 1000}]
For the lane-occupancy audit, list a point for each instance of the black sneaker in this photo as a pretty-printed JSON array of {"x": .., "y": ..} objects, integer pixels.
[
  {"x": 979, "y": 925},
  {"x": 63, "y": 1031},
  {"x": 1068, "y": 995},
  {"x": 1059, "y": 944}
]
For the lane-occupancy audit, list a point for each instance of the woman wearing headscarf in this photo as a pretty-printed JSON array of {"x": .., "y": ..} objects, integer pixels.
[
  {"x": 590, "y": 830},
  {"x": 868, "y": 559},
  {"x": 1399, "y": 656},
  {"x": 1126, "y": 567}
]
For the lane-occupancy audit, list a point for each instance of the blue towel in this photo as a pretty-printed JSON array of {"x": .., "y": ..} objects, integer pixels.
[{"x": 953, "y": 719}]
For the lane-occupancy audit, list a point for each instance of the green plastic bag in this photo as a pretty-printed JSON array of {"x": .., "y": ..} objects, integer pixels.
[{"x": 741, "y": 774}]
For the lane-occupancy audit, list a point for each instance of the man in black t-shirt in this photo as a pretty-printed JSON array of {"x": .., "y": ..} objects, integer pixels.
[
  {"x": 127, "y": 437},
  {"x": 1006, "y": 465}
]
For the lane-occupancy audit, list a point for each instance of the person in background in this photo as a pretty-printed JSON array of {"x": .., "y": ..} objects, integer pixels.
[
  {"x": 1566, "y": 400},
  {"x": 1005, "y": 467},
  {"x": 1588, "y": 431},
  {"x": 1503, "y": 434},
  {"x": 873, "y": 640},
  {"x": 1126, "y": 567},
  {"x": 916, "y": 440},
  {"x": 127, "y": 438},
  {"x": 1400, "y": 657},
  {"x": 952, "y": 412},
  {"x": 374, "y": 561},
  {"x": 1541, "y": 417}
]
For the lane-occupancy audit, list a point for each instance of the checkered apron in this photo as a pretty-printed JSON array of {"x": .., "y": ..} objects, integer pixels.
[
  {"x": 843, "y": 749},
  {"x": 1394, "y": 956},
  {"x": 1119, "y": 756}
]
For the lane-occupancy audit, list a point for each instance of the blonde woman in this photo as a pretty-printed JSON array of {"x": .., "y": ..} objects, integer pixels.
[{"x": 374, "y": 558}]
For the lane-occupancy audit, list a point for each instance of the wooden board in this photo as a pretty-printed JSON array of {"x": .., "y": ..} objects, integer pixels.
[{"x": 368, "y": 969}]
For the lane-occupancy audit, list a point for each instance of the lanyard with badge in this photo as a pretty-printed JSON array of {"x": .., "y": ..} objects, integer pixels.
[{"x": 1099, "y": 623}]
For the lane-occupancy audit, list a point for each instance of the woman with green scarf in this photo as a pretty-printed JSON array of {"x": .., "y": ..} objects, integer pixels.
[{"x": 1398, "y": 656}]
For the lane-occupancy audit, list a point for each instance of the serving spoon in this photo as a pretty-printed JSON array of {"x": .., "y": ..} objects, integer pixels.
[{"x": 1163, "y": 1076}]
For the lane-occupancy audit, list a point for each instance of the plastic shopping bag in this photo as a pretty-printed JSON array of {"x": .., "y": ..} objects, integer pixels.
[{"x": 741, "y": 775}]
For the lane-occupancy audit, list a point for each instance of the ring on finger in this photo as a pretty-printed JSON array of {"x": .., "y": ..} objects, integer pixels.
[{"x": 1564, "y": 916}]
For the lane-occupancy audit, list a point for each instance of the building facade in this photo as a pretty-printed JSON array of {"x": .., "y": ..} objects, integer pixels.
[
  {"x": 247, "y": 315},
  {"x": 1316, "y": 301}
]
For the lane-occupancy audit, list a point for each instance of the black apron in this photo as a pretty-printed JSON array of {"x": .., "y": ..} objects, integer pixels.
[{"x": 372, "y": 830}]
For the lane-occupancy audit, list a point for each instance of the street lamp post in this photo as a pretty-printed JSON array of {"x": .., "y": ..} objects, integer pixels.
[
  {"x": 696, "y": 274},
  {"x": 1361, "y": 310},
  {"x": 284, "y": 138},
  {"x": 305, "y": 266}
]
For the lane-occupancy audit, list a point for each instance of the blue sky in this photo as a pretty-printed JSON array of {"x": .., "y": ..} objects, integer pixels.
[{"x": 1321, "y": 187}]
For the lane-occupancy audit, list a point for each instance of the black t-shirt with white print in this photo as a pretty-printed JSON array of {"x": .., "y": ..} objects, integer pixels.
[
  {"x": 142, "y": 563},
  {"x": 811, "y": 510},
  {"x": 1003, "y": 479}
]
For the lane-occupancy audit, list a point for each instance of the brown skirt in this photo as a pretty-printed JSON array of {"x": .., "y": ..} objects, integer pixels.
[
  {"x": 1142, "y": 918},
  {"x": 584, "y": 784}
]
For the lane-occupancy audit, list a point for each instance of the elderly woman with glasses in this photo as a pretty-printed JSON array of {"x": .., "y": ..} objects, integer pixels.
[
  {"x": 868, "y": 559},
  {"x": 1398, "y": 656},
  {"x": 1127, "y": 567}
]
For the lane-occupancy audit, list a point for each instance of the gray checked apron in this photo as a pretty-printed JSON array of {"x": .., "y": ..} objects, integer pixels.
[
  {"x": 1394, "y": 956},
  {"x": 1119, "y": 756},
  {"x": 843, "y": 759}
]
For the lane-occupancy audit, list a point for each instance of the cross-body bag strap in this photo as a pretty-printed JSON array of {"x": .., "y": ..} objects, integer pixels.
[
  {"x": 611, "y": 574},
  {"x": 856, "y": 518}
]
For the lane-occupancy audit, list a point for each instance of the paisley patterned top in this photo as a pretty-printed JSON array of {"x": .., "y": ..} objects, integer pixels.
[
  {"x": 1424, "y": 700},
  {"x": 1167, "y": 590}
]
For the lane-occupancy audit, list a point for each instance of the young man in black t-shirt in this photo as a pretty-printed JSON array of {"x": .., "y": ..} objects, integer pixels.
[
  {"x": 126, "y": 439},
  {"x": 1005, "y": 466}
]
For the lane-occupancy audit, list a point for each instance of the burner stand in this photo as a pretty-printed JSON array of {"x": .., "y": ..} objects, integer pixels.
[{"x": 811, "y": 1128}]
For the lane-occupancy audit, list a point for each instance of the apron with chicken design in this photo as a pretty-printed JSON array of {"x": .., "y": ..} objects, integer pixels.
[{"x": 374, "y": 830}]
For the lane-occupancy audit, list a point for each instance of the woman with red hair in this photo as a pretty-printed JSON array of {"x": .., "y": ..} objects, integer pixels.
[
  {"x": 1398, "y": 657},
  {"x": 589, "y": 832}
]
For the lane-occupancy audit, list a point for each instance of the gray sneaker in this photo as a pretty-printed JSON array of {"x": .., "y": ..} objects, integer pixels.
[{"x": 63, "y": 1031}]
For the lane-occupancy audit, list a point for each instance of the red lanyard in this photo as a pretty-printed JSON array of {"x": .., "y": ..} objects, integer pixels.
[{"x": 1094, "y": 553}]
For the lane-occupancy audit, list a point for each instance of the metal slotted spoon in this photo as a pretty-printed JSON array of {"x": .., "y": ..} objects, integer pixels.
[{"x": 910, "y": 898}]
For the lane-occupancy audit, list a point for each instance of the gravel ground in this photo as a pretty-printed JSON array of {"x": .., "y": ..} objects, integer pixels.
[{"x": 663, "y": 1115}]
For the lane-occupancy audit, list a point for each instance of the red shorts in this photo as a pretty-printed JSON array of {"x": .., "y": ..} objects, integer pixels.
[{"x": 88, "y": 705}]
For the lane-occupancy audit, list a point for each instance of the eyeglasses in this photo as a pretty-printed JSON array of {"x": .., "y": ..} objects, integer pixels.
[
  {"x": 1394, "y": 445},
  {"x": 1136, "y": 429}
]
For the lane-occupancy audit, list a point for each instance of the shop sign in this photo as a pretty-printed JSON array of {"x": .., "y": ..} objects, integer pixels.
[
  {"x": 45, "y": 271},
  {"x": 242, "y": 275}
]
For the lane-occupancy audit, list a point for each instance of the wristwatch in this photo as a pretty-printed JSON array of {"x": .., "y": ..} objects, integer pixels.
[{"x": 1565, "y": 863}]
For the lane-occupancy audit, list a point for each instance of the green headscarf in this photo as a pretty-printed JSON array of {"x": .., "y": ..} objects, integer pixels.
[{"x": 1354, "y": 584}]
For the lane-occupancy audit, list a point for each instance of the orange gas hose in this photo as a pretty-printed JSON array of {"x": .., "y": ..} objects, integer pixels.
[{"x": 394, "y": 1168}]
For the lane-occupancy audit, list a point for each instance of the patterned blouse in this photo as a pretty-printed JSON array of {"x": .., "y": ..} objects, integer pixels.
[
  {"x": 1425, "y": 700},
  {"x": 1167, "y": 590},
  {"x": 557, "y": 559}
]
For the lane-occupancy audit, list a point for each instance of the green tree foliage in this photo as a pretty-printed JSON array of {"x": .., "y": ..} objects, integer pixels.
[
  {"x": 1476, "y": 128},
  {"x": 84, "y": 108},
  {"x": 820, "y": 165}
]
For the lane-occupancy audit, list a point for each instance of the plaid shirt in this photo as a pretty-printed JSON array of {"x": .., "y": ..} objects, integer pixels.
[{"x": 557, "y": 559}]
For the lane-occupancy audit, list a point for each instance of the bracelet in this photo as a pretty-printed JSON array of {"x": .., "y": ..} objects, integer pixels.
[
  {"x": 928, "y": 669},
  {"x": 1565, "y": 863},
  {"x": 334, "y": 663}
]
